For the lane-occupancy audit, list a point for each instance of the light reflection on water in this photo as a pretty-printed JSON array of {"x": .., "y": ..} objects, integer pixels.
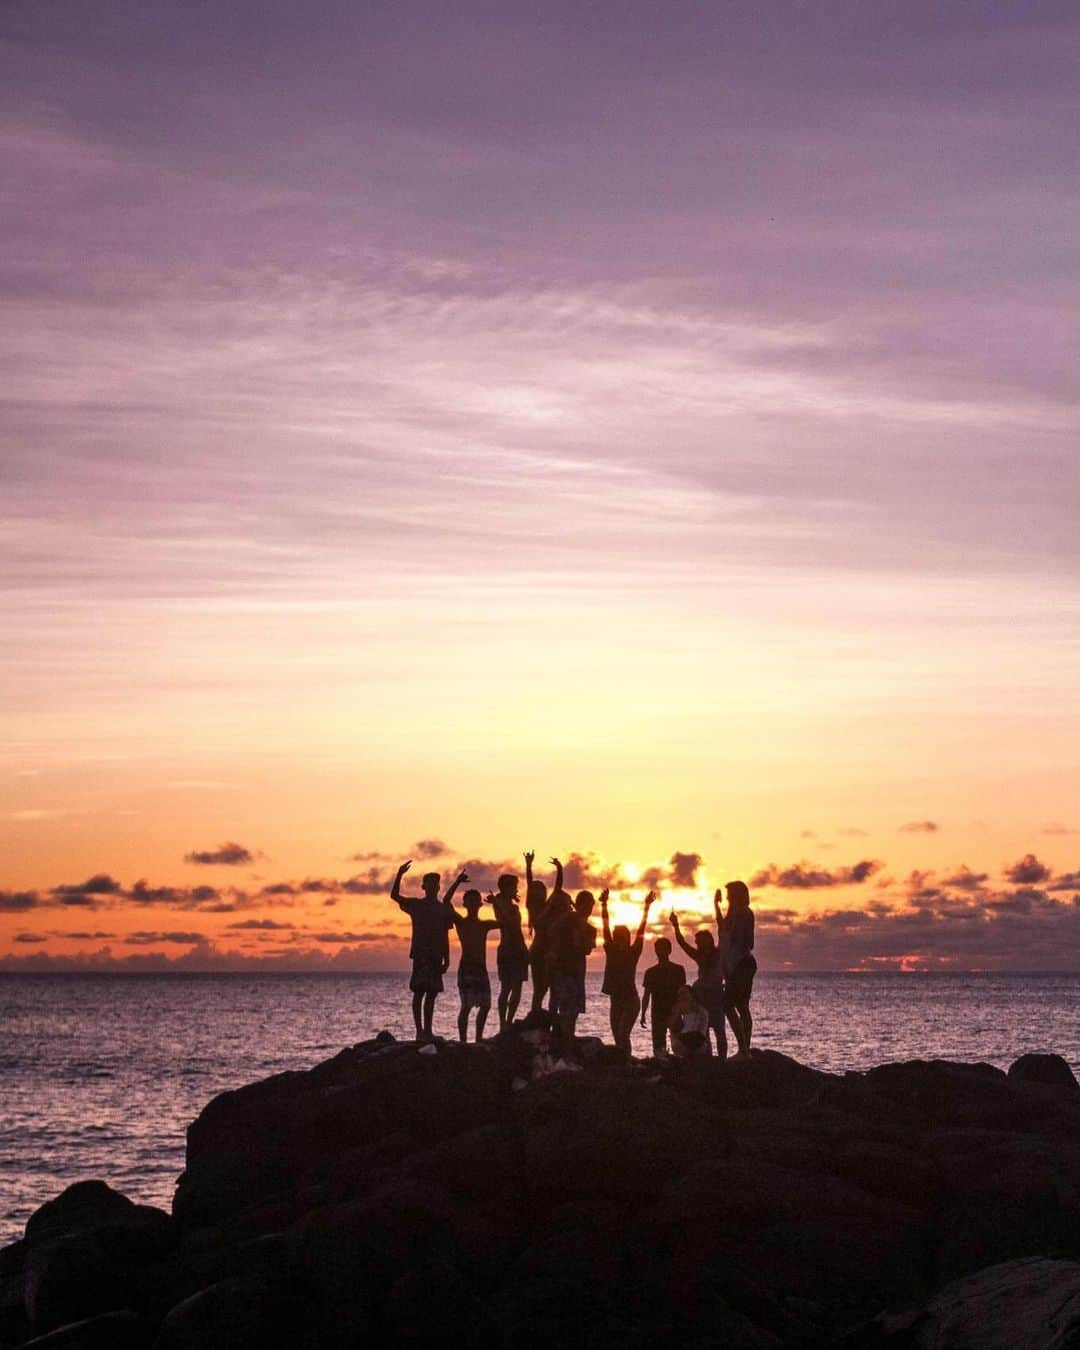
[{"x": 100, "y": 1074}]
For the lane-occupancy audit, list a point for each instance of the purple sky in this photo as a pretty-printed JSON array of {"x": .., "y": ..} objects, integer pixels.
[{"x": 600, "y": 394}]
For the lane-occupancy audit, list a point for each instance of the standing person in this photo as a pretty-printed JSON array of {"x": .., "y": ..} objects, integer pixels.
[
  {"x": 584, "y": 904},
  {"x": 740, "y": 964},
  {"x": 689, "y": 1026},
  {"x": 472, "y": 977},
  {"x": 512, "y": 957},
  {"x": 563, "y": 941},
  {"x": 537, "y": 905},
  {"x": 707, "y": 955},
  {"x": 662, "y": 983},
  {"x": 620, "y": 970},
  {"x": 430, "y": 949}
]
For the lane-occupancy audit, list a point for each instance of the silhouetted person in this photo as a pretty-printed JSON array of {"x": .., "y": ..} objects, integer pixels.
[
  {"x": 620, "y": 970},
  {"x": 430, "y": 949},
  {"x": 584, "y": 904},
  {"x": 689, "y": 1026},
  {"x": 568, "y": 947},
  {"x": 740, "y": 964},
  {"x": 662, "y": 983},
  {"x": 708, "y": 956},
  {"x": 472, "y": 977},
  {"x": 512, "y": 957},
  {"x": 536, "y": 905}
]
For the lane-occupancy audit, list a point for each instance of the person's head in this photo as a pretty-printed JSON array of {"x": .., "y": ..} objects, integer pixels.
[
  {"x": 508, "y": 886},
  {"x": 683, "y": 999},
  {"x": 620, "y": 935},
  {"x": 559, "y": 904},
  {"x": 584, "y": 903},
  {"x": 662, "y": 948},
  {"x": 738, "y": 895},
  {"x": 431, "y": 881},
  {"x": 704, "y": 942},
  {"x": 472, "y": 901},
  {"x": 536, "y": 895}
]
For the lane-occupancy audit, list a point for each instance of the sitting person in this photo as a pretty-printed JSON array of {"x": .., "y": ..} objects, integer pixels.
[
  {"x": 707, "y": 953},
  {"x": 662, "y": 983},
  {"x": 620, "y": 969},
  {"x": 689, "y": 1026},
  {"x": 474, "y": 986}
]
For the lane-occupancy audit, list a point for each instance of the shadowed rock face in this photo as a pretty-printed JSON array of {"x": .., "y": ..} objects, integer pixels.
[{"x": 392, "y": 1198}]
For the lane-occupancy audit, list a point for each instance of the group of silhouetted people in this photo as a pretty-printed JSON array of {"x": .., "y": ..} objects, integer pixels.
[{"x": 682, "y": 1014}]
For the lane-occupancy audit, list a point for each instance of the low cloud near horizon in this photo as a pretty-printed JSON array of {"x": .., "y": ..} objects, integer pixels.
[{"x": 954, "y": 918}]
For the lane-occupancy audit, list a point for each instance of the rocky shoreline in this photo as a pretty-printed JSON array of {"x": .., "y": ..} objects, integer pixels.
[{"x": 394, "y": 1196}]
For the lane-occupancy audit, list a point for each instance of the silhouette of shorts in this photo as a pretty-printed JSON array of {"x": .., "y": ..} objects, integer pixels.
[
  {"x": 513, "y": 965},
  {"x": 426, "y": 976},
  {"x": 740, "y": 983},
  {"x": 567, "y": 994},
  {"x": 475, "y": 989}
]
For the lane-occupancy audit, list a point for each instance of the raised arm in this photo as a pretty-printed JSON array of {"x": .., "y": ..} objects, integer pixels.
[
  {"x": 558, "y": 874},
  {"x": 395, "y": 889},
  {"x": 530, "y": 856},
  {"x": 640, "y": 938},
  {"x": 717, "y": 897},
  {"x": 604, "y": 914},
  {"x": 448, "y": 898},
  {"x": 680, "y": 939}
]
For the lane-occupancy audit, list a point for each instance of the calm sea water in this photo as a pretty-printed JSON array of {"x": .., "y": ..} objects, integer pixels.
[{"x": 100, "y": 1074}]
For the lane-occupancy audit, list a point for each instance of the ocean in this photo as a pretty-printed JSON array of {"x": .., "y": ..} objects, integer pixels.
[{"x": 100, "y": 1074}]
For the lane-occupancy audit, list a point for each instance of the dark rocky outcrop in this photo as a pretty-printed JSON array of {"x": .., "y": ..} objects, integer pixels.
[
  {"x": 392, "y": 1197},
  {"x": 1030, "y": 1304}
]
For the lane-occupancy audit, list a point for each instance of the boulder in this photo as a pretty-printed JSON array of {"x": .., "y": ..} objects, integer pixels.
[
  {"x": 1046, "y": 1071},
  {"x": 84, "y": 1206},
  {"x": 109, "y": 1331},
  {"x": 266, "y": 1142},
  {"x": 1033, "y": 1304},
  {"x": 69, "y": 1280},
  {"x": 232, "y": 1315}
]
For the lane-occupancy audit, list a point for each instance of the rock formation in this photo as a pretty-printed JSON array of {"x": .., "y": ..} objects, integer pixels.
[{"x": 394, "y": 1198}]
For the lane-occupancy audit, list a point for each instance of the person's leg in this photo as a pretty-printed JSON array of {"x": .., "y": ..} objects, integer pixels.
[
  {"x": 628, "y": 1008},
  {"x": 748, "y": 1023},
  {"x": 613, "y": 1016},
  {"x": 716, "y": 1021},
  {"x": 417, "y": 1003},
  {"x": 429, "y": 1013},
  {"x": 481, "y": 1018},
  {"x": 659, "y": 1036},
  {"x": 504, "y": 1004},
  {"x": 734, "y": 1017},
  {"x": 463, "y": 1021},
  {"x": 540, "y": 985}
]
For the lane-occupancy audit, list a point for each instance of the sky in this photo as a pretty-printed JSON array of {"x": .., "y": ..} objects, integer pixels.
[{"x": 630, "y": 432}]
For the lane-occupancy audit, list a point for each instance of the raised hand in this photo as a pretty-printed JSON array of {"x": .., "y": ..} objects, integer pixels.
[
  {"x": 650, "y": 898},
  {"x": 463, "y": 876},
  {"x": 404, "y": 867},
  {"x": 604, "y": 898},
  {"x": 673, "y": 919},
  {"x": 556, "y": 862},
  {"x": 530, "y": 857}
]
